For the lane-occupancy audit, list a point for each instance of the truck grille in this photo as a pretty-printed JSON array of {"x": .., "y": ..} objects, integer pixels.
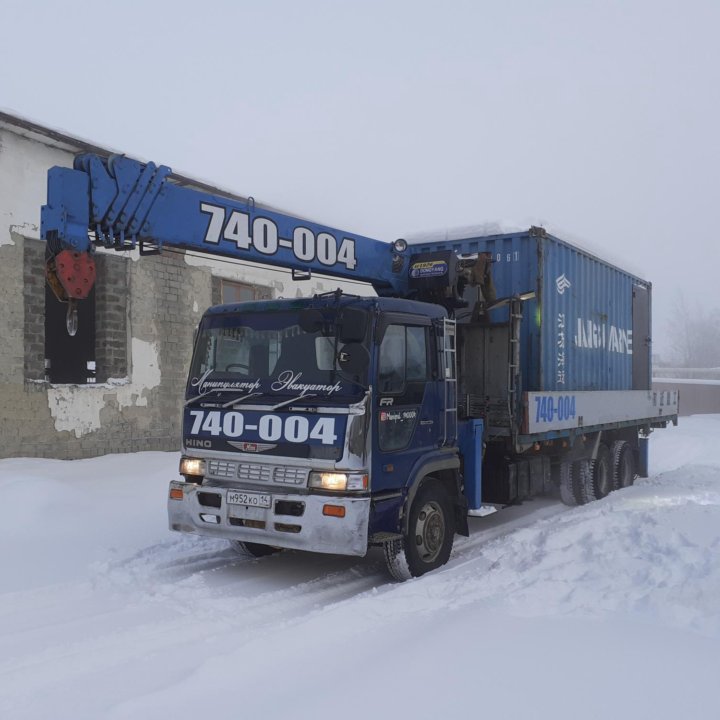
[
  {"x": 290, "y": 475},
  {"x": 253, "y": 472},
  {"x": 222, "y": 469},
  {"x": 256, "y": 472}
]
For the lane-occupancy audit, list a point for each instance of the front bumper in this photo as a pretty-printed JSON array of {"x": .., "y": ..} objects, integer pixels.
[{"x": 292, "y": 521}]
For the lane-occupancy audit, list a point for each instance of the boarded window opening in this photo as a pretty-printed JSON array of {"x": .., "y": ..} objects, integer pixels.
[{"x": 69, "y": 359}]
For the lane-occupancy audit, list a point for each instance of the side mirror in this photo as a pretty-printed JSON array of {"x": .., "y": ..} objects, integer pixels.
[
  {"x": 310, "y": 321},
  {"x": 354, "y": 358},
  {"x": 353, "y": 325}
]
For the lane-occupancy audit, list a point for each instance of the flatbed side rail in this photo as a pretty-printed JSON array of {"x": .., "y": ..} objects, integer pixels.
[{"x": 550, "y": 412}]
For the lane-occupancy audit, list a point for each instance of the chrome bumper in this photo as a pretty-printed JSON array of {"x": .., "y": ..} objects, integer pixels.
[{"x": 204, "y": 510}]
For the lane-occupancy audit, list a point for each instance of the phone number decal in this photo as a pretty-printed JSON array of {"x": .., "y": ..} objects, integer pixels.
[
  {"x": 262, "y": 235},
  {"x": 549, "y": 408},
  {"x": 269, "y": 428}
]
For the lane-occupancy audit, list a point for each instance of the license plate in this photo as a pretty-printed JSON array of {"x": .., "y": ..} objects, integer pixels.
[{"x": 235, "y": 497}]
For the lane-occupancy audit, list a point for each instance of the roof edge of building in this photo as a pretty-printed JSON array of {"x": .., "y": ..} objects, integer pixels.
[{"x": 65, "y": 141}]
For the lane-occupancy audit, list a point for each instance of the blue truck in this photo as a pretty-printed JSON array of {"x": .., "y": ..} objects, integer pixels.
[{"x": 474, "y": 374}]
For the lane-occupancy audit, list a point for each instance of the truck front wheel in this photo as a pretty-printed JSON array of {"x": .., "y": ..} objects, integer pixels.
[{"x": 429, "y": 538}]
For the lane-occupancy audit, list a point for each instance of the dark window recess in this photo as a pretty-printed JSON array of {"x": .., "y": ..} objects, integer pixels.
[{"x": 69, "y": 359}]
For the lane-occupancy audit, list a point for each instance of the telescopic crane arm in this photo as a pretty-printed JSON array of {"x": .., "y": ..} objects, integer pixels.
[{"x": 121, "y": 204}]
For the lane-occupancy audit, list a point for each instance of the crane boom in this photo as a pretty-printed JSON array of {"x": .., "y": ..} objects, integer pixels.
[{"x": 121, "y": 203}]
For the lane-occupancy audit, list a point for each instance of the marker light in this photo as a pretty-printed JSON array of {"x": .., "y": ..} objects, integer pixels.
[
  {"x": 338, "y": 482},
  {"x": 176, "y": 493},
  {"x": 334, "y": 510}
]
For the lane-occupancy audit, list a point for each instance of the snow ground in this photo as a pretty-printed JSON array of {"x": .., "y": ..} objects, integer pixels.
[{"x": 605, "y": 611}]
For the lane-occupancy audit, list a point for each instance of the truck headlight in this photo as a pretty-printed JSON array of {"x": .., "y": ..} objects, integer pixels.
[
  {"x": 338, "y": 481},
  {"x": 192, "y": 467}
]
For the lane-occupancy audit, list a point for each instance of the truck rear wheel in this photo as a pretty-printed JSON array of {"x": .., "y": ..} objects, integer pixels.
[
  {"x": 567, "y": 494},
  {"x": 576, "y": 482},
  {"x": 583, "y": 485},
  {"x": 429, "y": 539},
  {"x": 602, "y": 473},
  {"x": 623, "y": 464},
  {"x": 253, "y": 549}
]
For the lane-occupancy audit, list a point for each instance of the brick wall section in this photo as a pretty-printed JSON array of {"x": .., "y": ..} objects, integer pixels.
[
  {"x": 111, "y": 317},
  {"x": 155, "y": 300},
  {"x": 165, "y": 292},
  {"x": 111, "y": 310},
  {"x": 34, "y": 305},
  {"x": 216, "y": 290}
]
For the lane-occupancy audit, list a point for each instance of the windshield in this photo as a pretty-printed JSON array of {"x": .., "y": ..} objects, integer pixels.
[{"x": 269, "y": 353}]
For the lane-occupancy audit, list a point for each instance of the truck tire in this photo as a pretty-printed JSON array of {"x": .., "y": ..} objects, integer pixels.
[
  {"x": 582, "y": 482},
  {"x": 395, "y": 561},
  {"x": 429, "y": 540},
  {"x": 576, "y": 482},
  {"x": 567, "y": 494},
  {"x": 623, "y": 464},
  {"x": 253, "y": 549},
  {"x": 602, "y": 473}
]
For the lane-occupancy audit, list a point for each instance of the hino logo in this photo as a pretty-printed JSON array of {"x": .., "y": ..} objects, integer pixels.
[
  {"x": 562, "y": 284},
  {"x": 194, "y": 442}
]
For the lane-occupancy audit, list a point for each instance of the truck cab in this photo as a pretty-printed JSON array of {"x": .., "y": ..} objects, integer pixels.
[{"x": 310, "y": 424}]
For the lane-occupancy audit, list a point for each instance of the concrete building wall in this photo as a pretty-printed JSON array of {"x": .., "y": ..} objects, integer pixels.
[
  {"x": 697, "y": 397},
  {"x": 146, "y": 313}
]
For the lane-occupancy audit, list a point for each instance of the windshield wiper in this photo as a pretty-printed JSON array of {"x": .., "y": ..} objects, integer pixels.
[
  {"x": 200, "y": 396},
  {"x": 237, "y": 401},
  {"x": 292, "y": 400}
]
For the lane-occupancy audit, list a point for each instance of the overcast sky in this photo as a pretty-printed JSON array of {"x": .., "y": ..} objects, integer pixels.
[{"x": 599, "y": 119}]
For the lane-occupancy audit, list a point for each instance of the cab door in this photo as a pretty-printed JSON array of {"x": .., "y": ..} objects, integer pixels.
[{"x": 407, "y": 402}]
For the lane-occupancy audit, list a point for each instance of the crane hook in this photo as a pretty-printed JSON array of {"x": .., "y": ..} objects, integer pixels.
[{"x": 71, "y": 319}]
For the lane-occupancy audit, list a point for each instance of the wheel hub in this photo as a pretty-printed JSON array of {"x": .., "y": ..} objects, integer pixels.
[{"x": 430, "y": 531}]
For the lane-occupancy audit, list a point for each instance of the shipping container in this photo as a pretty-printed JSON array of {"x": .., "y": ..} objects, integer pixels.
[{"x": 585, "y": 323}]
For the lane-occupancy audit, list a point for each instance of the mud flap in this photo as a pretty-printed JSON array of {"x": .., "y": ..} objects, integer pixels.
[
  {"x": 643, "y": 459},
  {"x": 461, "y": 515}
]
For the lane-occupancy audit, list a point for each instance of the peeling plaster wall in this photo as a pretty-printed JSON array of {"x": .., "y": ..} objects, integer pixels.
[
  {"x": 23, "y": 167},
  {"x": 136, "y": 412},
  {"x": 163, "y": 300},
  {"x": 77, "y": 408}
]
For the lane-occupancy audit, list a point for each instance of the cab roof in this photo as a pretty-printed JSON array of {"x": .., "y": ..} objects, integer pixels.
[{"x": 329, "y": 300}]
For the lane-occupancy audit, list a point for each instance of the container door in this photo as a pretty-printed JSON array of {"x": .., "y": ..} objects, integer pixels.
[{"x": 641, "y": 338}]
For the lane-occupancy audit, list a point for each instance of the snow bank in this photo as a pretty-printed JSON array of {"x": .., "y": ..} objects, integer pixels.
[{"x": 608, "y": 610}]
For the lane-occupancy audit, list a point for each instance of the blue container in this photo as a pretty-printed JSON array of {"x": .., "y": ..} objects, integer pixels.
[{"x": 587, "y": 326}]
